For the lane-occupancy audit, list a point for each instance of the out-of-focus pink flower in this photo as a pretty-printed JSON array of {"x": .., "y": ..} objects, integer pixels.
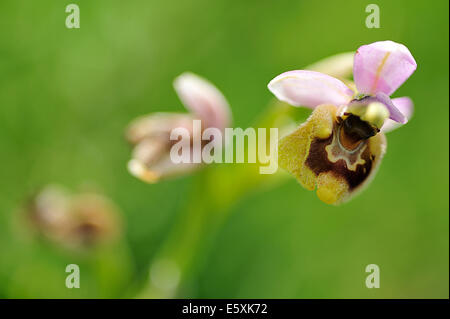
[{"x": 150, "y": 135}]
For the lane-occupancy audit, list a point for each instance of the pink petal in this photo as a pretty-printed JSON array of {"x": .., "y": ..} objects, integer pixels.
[
  {"x": 203, "y": 99},
  {"x": 395, "y": 114},
  {"x": 309, "y": 88},
  {"x": 157, "y": 125},
  {"x": 382, "y": 67},
  {"x": 404, "y": 105}
]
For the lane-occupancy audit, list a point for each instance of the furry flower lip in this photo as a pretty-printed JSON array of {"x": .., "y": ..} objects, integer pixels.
[{"x": 339, "y": 148}]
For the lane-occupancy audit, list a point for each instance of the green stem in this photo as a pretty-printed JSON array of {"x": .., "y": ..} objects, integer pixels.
[{"x": 215, "y": 191}]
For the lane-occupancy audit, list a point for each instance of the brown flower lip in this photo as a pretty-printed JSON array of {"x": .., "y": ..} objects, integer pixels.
[
  {"x": 322, "y": 158},
  {"x": 338, "y": 155}
]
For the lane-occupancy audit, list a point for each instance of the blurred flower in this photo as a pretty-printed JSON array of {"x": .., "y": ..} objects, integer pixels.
[
  {"x": 150, "y": 135},
  {"x": 342, "y": 143},
  {"x": 75, "y": 221}
]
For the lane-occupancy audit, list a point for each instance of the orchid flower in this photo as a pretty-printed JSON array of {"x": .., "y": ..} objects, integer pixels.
[
  {"x": 339, "y": 148},
  {"x": 150, "y": 135},
  {"x": 74, "y": 220}
]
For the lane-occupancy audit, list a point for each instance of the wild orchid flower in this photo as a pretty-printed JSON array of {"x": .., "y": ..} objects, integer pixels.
[
  {"x": 339, "y": 148},
  {"x": 76, "y": 221},
  {"x": 150, "y": 135}
]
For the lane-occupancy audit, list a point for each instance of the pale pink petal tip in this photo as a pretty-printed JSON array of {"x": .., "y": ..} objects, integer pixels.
[
  {"x": 309, "y": 88},
  {"x": 203, "y": 99},
  {"x": 382, "y": 67},
  {"x": 405, "y": 106}
]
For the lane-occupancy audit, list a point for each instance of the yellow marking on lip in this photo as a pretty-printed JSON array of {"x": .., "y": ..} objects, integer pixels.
[
  {"x": 380, "y": 67},
  {"x": 330, "y": 188},
  {"x": 336, "y": 152}
]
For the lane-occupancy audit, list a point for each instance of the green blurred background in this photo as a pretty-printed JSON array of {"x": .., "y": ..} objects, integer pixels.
[{"x": 67, "y": 95}]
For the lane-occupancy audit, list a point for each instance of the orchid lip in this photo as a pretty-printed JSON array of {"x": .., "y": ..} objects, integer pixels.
[{"x": 337, "y": 164}]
